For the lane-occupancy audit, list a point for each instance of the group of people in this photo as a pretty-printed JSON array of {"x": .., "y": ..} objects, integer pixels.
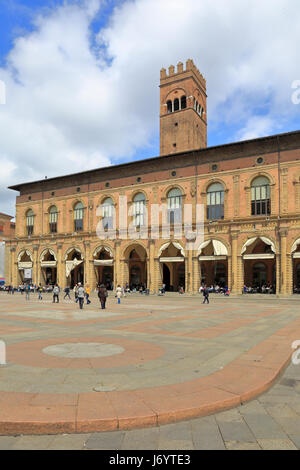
[
  {"x": 80, "y": 293},
  {"x": 215, "y": 289},
  {"x": 263, "y": 289}
]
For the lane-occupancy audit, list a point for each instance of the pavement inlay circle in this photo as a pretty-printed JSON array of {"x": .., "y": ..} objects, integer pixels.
[
  {"x": 76, "y": 350},
  {"x": 81, "y": 353}
]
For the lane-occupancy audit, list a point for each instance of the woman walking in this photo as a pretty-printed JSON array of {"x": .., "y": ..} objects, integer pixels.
[
  {"x": 102, "y": 294},
  {"x": 87, "y": 294},
  {"x": 119, "y": 293}
]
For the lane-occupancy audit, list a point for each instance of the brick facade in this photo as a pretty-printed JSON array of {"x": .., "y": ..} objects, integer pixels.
[{"x": 192, "y": 168}]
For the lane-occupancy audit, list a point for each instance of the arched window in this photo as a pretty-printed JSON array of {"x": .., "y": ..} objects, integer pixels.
[
  {"x": 183, "y": 102},
  {"x": 174, "y": 199},
  {"x": 139, "y": 202},
  {"x": 29, "y": 222},
  {"x": 169, "y": 106},
  {"x": 215, "y": 202},
  {"x": 195, "y": 104},
  {"x": 78, "y": 217},
  {"x": 53, "y": 215},
  {"x": 107, "y": 213},
  {"x": 260, "y": 196},
  {"x": 176, "y": 104}
]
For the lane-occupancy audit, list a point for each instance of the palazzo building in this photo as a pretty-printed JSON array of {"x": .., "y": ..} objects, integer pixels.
[
  {"x": 7, "y": 231},
  {"x": 250, "y": 191}
]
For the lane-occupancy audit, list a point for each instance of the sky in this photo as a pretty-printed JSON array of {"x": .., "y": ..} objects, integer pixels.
[{"x": 79, "y": 79}]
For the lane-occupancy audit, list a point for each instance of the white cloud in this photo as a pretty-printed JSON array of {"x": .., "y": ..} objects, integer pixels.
[{"x": 68, "y": 110}]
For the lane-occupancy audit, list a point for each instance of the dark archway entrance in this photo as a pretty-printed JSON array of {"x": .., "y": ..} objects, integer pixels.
[
  {"x": 104, "y": 269},
  {"x": 172, "y": 265},
  {"x": 260, "y": 266},
  {"x": 166, "y": 277},
  {"x": 136, "y": 260},
  {"x": 49, "y": 268}
]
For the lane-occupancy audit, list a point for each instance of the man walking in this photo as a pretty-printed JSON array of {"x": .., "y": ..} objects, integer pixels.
[
  {"x": 205, "y": 294},
  {"x": 56, "y": 291},
  {"x": 67, "y": 292},
  {"x": 40, "y": 290},
  {"x": 27, "y": 290},
  {"x": 80, "y": 294},
  {"x": 102, "y": 294}
]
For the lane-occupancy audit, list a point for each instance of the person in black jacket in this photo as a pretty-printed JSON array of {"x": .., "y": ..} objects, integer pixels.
[
  {"x": 102, "y": 294},
  {"x": 205, "y": 294}
]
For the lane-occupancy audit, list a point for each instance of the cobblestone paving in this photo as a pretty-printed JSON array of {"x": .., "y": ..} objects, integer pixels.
[{"x": 197, "y": 340}]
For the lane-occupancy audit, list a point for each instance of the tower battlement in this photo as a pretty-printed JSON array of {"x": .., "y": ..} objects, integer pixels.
[{"x": 189, "y": 66}]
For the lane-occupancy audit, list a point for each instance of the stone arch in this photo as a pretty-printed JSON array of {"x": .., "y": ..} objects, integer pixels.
[
  {"x": 73, "y": 248},
  {"x": 259, "y": 264},
  {"x": 136, "y": 264},
  {"x": 257, "y": 174},
  {"x": 170, "y": 187},
  {"x": 25, "y": 252},
  {"x": 266, "y": 240},
  {"x": 76, "y": 201},
  {"x": 211, "y": 181},
  {"x": 45, "y": 251},
  {"x": 104, "y": 197},
  {"x": 226, "y": 247},
  {"x": 172, "y": 265},
  {"x": 166, "y": 245},
  {"x": 100, "y": 248},
  {"x": 136, "y": 192},
  {"x": 295, "y": 245},
  {"x": 172, "y": 94},
  {"x": 133, "y": 245}
]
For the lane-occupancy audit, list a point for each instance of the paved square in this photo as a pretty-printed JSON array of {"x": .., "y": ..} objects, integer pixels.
[{"x": 149, "y": 361}]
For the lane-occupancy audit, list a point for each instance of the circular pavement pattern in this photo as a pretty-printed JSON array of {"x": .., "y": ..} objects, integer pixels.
[
  {"x": 74, "y": 350},
  {"x": 82, "y": 353}
]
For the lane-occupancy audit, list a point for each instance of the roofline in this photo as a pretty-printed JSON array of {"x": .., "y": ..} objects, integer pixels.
[
  {"x": 122, "y": 165},
  {"x": 6, "y": 215}
]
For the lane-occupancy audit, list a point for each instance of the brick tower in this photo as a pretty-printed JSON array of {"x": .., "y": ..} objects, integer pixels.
[{"x": 183, "y": 112}]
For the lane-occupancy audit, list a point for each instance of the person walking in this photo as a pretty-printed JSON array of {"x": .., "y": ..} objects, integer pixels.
[
  {"x": 27, "y": 291},
  {"x": 80, "y": 295},
  {"x": 205, "y": 294},
  {"x": 40, "y": 290},
  {"x": 67, "y": 292},
  {"x": 102, "y": 294},
  {"x": 87, "y": 294},
  {"x": 56, "y": 291},
  {"x": 119, "y": 293}
]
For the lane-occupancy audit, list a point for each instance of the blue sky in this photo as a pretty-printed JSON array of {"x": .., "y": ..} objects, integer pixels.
[{"x": 82, "y": 77}]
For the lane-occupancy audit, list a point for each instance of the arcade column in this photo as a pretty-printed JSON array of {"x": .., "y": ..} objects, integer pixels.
[
  {"x": 283, "y": 262},
  {"x": 61, "y": 274}
]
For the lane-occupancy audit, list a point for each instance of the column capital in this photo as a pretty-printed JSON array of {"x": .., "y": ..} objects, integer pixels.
[
  {"x": 283, "y": 232},
  {"x": 234, "y": 235}
]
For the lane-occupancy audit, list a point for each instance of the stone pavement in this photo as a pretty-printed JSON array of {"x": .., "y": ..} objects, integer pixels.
[{"x": 153, "y": 360}]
